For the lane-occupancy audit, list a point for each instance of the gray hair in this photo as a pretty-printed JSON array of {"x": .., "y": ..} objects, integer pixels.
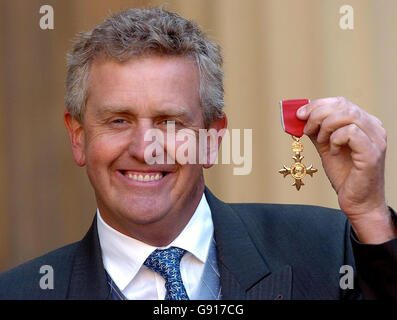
[{"x": 137, "y": 32}]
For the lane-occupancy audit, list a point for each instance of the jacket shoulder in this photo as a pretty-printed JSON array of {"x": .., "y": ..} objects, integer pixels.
[
  {"x": 297, "y": 234},
  {"x": 292, "y": 217},
  {"x": 23, "y": 281}
]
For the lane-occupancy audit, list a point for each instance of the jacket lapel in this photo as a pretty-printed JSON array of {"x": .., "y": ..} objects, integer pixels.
[
  {"x": 243, "y": 270},
  {"x": 88, "y": 280},
  {"x": 244, "y": 273}
]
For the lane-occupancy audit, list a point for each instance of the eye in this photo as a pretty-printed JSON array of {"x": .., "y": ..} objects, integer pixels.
[
  {"x": 118, "y": 121},
  {"x": 167, "y": 122}
]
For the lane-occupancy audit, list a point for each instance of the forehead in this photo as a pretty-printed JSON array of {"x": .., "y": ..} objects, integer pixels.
[{"x": 144, "y": 81}]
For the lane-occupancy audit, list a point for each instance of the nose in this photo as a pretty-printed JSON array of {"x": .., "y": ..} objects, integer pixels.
[{"x": 138, "y": 146}]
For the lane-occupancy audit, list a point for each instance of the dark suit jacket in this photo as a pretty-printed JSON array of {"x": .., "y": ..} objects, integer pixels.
[{"x": 264, "y": 251}]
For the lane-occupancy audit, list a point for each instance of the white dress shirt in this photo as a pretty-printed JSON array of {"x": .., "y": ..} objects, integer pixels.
[{"x": 123, "y": 257}]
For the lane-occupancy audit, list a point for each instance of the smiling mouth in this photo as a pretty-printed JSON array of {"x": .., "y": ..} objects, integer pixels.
[{"x": 143, "y": 176}]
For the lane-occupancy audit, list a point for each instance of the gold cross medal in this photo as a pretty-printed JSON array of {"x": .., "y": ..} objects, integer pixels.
[{"x": 293, "y": 126}]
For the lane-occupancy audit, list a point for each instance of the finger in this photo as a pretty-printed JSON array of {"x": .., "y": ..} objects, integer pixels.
[
  {"x": 318, "y": 115},
  {"x": 360, "y": 144},
  {"x": 304, "y": 112},
  {"x": 378, "y": 121},
  {"x": 366, "y": 122},
  {"x": 381, "y": 129}
]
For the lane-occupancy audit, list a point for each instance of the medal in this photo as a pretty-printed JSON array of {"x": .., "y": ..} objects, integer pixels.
[{"x": 293, "y": 126}]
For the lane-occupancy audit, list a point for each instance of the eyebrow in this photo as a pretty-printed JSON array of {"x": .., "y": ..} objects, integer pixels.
[
  {"x": 110, "y": 109},
  {"x": 174, "y": 111}
]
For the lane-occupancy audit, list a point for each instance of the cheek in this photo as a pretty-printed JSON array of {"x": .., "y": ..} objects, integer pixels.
[
  {"x": 185, "y": 148},
  {"x": 188, "y": 179},
  {"x": 103, "y": 149}
]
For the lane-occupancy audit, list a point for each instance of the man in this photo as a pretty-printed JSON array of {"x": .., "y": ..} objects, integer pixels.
[{"x": 158, "y": 231}]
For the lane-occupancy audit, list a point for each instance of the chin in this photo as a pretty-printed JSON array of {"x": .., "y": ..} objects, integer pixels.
[{"x": 143, "y": 212}]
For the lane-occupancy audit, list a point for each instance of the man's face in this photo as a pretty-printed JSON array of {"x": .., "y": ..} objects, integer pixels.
[{"x": 124, "y": 101}]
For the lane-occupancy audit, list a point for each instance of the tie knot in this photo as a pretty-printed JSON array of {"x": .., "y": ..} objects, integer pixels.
[{"x": 166, "y": 262}]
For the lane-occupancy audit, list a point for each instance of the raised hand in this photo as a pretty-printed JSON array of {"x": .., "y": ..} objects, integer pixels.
[{"x": 352, "y": 146}]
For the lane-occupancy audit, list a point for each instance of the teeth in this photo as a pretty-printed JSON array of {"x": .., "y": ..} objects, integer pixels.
[{"x": 145, "y": 178}]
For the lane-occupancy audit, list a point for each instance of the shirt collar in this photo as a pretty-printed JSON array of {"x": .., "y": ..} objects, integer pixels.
[{"x": 123, "y": 256}]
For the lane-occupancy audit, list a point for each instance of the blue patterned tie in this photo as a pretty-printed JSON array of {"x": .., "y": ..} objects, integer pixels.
[{"x": 167, "y": 264}]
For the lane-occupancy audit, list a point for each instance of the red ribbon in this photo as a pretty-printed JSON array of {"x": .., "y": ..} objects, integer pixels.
[{"x": 291, "y": 124}]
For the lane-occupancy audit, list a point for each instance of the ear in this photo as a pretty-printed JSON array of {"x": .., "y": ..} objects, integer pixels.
[
  {"x": 220, "y": 125},
  {"x": 77, "y": 139}
]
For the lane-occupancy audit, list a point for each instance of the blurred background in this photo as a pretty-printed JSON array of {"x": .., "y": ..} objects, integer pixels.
[{"x": 273, "y": 50}]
